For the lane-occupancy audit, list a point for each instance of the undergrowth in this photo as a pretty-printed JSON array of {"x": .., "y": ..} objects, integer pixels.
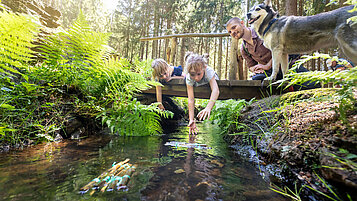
[{"x": 73, "y": 76}]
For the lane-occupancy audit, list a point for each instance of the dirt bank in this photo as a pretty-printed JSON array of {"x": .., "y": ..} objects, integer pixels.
[{"x": 302, "y": 142}]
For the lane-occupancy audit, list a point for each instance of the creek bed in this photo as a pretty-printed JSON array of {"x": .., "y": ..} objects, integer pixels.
[{"x": 56, "y": 171}]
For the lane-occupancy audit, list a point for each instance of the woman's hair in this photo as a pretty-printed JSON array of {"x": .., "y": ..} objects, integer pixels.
[
  {"x": 195, "y": 62},
  {"x": 159, "y": 67}
]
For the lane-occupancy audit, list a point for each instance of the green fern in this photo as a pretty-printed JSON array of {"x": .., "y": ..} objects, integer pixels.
[
  {"x": 17, "y": 31},
  {"x": 225, "y": 114},
  {"x": 74, "y": 53},
  {"x": 75, "y": 57},
  {"x": 134, "y": 119}
]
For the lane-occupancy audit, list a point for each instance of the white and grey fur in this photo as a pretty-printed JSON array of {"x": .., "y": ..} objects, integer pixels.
[{"x": 303, "y": 34}]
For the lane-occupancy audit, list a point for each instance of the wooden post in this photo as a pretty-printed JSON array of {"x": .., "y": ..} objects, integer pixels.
[
  {"x": 201, "y": 46},
  {"x": 159, "y": 53},
  {"x": 324, "y": 61},
  {"x": 219, "y": 66},
  {"x": 207, "y": 46},
  {"x": 183, "y": 51},
  {"x": 173, "y": 50},
  {"x": 226, "y": 69},
  {"x": 198, "y": 42},
  {"x": 214, "y": 54},
  {"x": 168, "y": 52},
  {"x": 177, "y": 53},
  {"x": 164, "y": 53},
  {"x": 241, "y": 71},
  {"x": 233, "y": 59},
  {"x": 313, "y": 64}
]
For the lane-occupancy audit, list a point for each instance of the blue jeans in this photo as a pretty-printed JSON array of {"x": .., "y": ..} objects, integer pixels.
[
  {"x": 301, "y": 69},
  {"x": 262, "y": 76}
]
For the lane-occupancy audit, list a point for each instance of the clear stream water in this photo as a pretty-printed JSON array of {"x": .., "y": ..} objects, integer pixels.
[{"x": 56, "y": 171}]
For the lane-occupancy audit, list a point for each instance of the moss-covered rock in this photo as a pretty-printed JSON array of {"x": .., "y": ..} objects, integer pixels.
[{"x": 319, "y": 93}]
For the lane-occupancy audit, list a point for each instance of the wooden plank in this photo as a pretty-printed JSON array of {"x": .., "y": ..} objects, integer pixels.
[{"x": 234, "y": 89}]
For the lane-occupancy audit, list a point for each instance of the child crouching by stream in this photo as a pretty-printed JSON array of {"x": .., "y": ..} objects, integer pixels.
[
  {"x": 198, "y": 74},
  {"x": 163, "y": 72}
]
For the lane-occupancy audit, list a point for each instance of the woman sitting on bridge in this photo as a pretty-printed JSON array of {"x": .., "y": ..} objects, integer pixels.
[
  {"x": 163, "y": 72},
  {"x": 198, "y": 73}
]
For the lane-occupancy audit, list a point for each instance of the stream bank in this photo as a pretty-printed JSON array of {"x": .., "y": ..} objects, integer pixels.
[{"x": 303, "y": 143}]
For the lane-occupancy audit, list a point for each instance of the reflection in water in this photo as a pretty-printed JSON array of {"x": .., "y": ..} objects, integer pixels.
[{"x": 57, "y": 171}]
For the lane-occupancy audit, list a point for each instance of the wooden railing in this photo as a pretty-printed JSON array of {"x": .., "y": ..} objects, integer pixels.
[
  {"x": 228, "y": 89},
  {"x": 233, "y": 69},
  {"x": 228, "y": 64}
]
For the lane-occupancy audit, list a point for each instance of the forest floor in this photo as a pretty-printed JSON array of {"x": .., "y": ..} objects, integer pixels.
[{"x": 306, "y": 140}]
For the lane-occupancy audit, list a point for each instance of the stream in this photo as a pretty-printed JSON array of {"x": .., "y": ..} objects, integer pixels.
[{"x": 57, "y": 170}]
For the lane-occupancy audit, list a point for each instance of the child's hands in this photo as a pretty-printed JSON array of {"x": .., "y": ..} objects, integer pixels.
[
  {"x": 204, "y": 114},
  {"x": 193, "y": 129},
  {"x": 259, "y": 68},
  {"x": 168, "y": 79},
  {"x": 161, "y": 106}
]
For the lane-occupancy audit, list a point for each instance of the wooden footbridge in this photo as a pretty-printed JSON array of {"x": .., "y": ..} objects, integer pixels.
[
  {"x": 235, "y": 85},
  {"x": 234, "y": 75},
  {"x": 228, "y": 89}
]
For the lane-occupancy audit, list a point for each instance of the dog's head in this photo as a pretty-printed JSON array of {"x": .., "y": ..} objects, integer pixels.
[{"x": 257, "y": 14}]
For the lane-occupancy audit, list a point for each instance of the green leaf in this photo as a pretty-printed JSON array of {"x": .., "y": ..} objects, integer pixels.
[{"x": 7, "y": 106}]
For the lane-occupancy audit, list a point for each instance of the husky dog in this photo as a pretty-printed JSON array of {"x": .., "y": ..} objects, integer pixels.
[{"x": 296, "y": 34}]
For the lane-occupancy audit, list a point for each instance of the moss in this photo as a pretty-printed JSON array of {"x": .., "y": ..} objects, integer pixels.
[{"x": 317, "y": 94}]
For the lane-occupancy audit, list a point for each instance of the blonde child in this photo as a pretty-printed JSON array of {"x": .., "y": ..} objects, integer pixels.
[
  {"x": 198, "y": 73},
  {"x": 163, "y": 72}
]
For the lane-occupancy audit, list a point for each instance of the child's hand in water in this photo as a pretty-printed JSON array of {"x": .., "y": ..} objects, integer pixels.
[
  {"x": 204, "y": 114},
  {"x": 193, "y": 129}
]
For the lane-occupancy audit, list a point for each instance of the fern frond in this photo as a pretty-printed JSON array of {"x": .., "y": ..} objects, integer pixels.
[{"x": 17, "y": 31}]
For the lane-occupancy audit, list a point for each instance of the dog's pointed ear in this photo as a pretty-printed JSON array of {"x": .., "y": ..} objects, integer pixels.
[{"x": 267, "y": 3}]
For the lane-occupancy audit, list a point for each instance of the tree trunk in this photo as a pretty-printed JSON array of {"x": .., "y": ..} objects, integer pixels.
[
  {"x": 173, "y": 50},
  {"x": 154, "y": 43},
  {"x": 168, "y": 31},
  {"x": 291, "y": 7},
  {"x": 247, "y": 7},
  {"x": 160, "y": 41},
  {"x": 147, "y": 50},
  {"x": 301, "y": 7}
]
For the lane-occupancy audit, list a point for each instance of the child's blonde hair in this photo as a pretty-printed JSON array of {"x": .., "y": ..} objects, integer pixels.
[
  {"x": 159, "y": 66},
  {"x": 195, "y": 62}
]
